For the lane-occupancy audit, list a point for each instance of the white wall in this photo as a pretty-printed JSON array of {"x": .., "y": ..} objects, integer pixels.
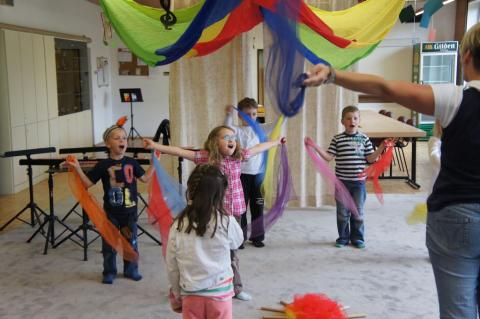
[
  {"x": 80, "y": 17},
  {"x": 473, "y": 13},
  {"x": 72, "y": 17},
  {"x": 392, "y": 59},
  {"x": 155, "y": 91}
]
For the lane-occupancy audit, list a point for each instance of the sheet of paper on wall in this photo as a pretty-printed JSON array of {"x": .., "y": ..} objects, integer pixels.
[
  {"x": 140, "y": 62},
  {"x": 124, "y": 55}
]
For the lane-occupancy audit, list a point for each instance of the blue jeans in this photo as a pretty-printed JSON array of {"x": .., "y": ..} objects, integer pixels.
[
  {"x": 127, "y": 223},
  {"x": 350, "y": 227},
  {"x": 453, "y": 242}
]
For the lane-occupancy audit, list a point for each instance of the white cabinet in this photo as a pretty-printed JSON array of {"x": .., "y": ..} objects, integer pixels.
[
  {"x": 24, "y": 106},
  {"x": 40, "y": 77},
  {"x": 13, "y": 77},
  {"x": 28, "y": 77},
  {"x": 29, "y": 116}
]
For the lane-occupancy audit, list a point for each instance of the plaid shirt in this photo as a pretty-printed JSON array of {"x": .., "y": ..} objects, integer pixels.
[{"x": 234, "y": 201}]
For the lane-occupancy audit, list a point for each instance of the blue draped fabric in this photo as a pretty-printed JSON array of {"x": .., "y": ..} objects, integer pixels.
[
  {"x": 172, "y": 191},
  {"x": 211, "y": 12},
  {"x": 284, "y": 72}
]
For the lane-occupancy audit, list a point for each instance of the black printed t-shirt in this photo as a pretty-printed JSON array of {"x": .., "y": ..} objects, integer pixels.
[{"x": 119, "y": 179}]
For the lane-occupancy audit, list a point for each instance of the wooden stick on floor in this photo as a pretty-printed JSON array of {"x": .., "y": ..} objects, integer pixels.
[
  {"x": 273, "y": 309},
  {"x": 357, "y": 315}
]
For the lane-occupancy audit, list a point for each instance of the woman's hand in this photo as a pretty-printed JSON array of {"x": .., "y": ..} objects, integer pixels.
[
  {"x": 148, "y": 144},
  {"x": 318, "y": 75}
]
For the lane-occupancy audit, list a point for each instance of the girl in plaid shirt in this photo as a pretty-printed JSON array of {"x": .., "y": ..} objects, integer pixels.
[{"x": 223, "y": 150}]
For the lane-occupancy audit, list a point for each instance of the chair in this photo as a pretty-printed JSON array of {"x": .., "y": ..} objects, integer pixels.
[
  {"x": 376, "y": 141},
  {"x": 164, "y": 131}
]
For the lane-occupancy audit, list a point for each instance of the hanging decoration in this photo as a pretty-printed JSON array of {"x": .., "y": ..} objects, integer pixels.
[
  {"x": 338, "y": 37},
  {"x": 168, "y": 19}
]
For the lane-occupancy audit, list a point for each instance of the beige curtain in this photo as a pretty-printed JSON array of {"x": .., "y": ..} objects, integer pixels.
[{"x": 201, "y": 87}]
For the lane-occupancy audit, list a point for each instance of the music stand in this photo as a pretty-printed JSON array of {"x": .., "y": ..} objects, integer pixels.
[
  {"x": 31, "y": 203},
  {"x": 131, "y": 96}
]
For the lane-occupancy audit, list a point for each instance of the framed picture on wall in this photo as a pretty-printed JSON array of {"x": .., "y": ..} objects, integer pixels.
[
  {"x": 260, "y": 77},
  {"x": 260, "y": 86},
  {"x": 130, "y": 64}
]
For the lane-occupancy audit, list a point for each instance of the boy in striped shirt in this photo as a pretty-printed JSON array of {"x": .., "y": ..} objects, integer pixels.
[{"x": 352, "y": 150}]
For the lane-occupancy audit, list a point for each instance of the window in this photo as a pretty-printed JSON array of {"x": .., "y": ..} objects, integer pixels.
[{"x": 73, "y": 78}]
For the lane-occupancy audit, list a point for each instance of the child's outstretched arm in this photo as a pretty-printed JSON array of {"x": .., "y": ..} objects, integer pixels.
[
  {"x": 149, "y": 173},
  {"x": 76, "y": 166},
  {"x": 166, "y": 149},
  {"x": 266, "y": 146},
  {"x": 374, "y": 156},
  {"x": 325, "y": 155}
]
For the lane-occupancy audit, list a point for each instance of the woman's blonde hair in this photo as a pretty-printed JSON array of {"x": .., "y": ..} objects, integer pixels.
[
  {"x": 211, "y": 145},
  {"x": 471, "y": 42}
]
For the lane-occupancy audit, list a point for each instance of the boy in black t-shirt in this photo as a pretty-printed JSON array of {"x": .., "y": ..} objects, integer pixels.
[{"x": 119, "y": 175}]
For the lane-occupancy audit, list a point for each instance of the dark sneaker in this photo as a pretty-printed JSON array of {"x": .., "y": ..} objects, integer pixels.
[
  {"x": 241, "y": 246},
  {"x": 340, "y": 245},
  {"x": 134, "y": 276},
  {"x": 258, "y": 244},
  {"x": 359, "y": 244},
  {"x": 108, "y": 279}
]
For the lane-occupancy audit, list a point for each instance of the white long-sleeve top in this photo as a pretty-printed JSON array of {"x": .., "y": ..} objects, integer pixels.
[
  {"x": 434, "y": 152},
  {"x": 195, "y": 263},
  {"x": 248, "y": 139}
]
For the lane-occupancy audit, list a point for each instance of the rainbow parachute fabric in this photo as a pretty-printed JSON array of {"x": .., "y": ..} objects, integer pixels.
[{"x": 337, "y": 37}]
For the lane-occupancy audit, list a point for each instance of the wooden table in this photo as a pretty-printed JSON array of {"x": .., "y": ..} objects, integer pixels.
[{"x": 376, "y": 125}]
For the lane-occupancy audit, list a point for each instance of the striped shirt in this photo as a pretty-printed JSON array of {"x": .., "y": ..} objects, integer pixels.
[
  {"x": 221, "y": 291},
  {"x": 350, "y": 151}
]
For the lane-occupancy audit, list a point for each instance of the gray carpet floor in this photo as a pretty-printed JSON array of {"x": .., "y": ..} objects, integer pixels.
[{"x": 391, "y": 278}]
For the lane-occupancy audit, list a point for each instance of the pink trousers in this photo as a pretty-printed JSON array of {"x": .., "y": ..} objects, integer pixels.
[{"x": 195, "y": 307}]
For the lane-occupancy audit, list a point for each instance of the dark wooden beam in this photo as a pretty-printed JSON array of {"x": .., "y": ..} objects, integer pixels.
[{"x": 460, "y": 29}]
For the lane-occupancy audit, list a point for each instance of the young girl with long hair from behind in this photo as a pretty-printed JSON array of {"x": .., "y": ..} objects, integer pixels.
[
  {"x": 223, "y": 150},
  {"x": 198, "y": 250}
]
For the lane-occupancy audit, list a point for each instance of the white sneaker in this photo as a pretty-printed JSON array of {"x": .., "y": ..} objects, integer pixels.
[{"x": 243, "y": 296}]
